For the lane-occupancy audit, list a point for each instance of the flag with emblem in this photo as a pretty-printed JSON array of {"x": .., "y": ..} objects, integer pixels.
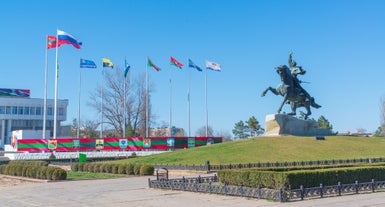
[
  {"x": 213, "y": 66},
  {"x": 176, "y": 63}
]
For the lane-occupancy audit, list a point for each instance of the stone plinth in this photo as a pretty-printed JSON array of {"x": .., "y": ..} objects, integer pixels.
[{"x": 281, "y": 124}]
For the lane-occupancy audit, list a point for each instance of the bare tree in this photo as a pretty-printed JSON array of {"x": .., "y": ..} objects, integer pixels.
[
  {"x": 201, "y": 132},
  {"x": 116, "y": 90},
  {"x": 226, "y": 136}
]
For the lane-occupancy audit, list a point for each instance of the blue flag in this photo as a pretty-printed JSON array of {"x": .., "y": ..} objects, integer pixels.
[
  {"x": 87, "y": 63},
  {"x": 193, "y": 65},
  {"x": 126, "y": 70}
]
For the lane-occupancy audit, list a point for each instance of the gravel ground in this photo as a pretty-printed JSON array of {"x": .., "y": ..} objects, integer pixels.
[{"x": 6, "y": 181}]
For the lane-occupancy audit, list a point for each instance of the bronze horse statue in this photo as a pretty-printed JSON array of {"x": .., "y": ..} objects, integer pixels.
[{"x": 291, "y": 90}]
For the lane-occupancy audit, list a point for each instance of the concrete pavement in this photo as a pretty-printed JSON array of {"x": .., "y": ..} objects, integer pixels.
[{"x": 134, "y": 191}]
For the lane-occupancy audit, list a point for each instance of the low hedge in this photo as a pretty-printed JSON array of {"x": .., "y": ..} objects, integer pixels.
[
  {"x": 36, "y": 172},
  {"x": 295, "y": 178},
  {"x": 25, "y": 162},
  {"x": 100, "y": 167}
]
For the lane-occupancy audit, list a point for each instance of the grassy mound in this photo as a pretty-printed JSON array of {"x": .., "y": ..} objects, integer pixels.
[{"x": 273, "y": 149}]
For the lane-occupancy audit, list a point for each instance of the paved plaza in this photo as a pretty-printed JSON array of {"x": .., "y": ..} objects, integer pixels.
[{"x": 134, "y": 191}]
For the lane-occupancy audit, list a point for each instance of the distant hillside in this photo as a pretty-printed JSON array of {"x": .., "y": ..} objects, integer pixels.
[{"x": 272, "y": 149}]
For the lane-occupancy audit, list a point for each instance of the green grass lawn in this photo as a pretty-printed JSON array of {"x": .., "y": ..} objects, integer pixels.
[
  {"x": 71, "y": 175},
  {"x": 273, "y": 149}
]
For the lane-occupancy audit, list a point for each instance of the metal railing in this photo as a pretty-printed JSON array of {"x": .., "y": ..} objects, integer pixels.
[
  {"x": 211, "y": 185},
  {"x": 335, "y": 190}
]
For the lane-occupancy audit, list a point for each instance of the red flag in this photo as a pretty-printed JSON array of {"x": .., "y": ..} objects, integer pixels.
[
  {"x": 149, "y": 63},
  {"x": 178, "y": 64},
  {"x": 51, "y": 42}
]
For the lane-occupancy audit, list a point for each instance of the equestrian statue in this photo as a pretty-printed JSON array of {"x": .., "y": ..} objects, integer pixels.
[{"x": 291, "y": 89}]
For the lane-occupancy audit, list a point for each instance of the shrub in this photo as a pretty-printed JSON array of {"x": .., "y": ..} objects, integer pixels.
[
  {"x": 81, "y": 166},
  {"x": 107, "y": 168},
  {"x": 147, "y": 170},
  {"x": 130, "y": 169},
  {"x": 97, "y": 167},
  {"x": 85, "y": 167},
  {"x": 90, "y": 167},
  {"x": 43, "y": 173},
  {"x": 295, "y": 178},
  {"x": 59, "y": 174},
  {"x": 26, "y": 162},
  {"x": 114, "y": 168},
  {"x": 137, "y": 169},
  {"x": 49, "y": 172},
  {"x": 75, "y": 167},
  {"x": 122, "y": 169}
]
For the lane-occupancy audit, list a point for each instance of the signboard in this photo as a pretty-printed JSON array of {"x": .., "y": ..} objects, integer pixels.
[
  {"x": 191, "y": 142},
  {"x": 170, "y": 142},
  {"x": 99, "y": 144},
  {"x": 123, "y": 143},
  {"x": 146, "y": 142},
  {"x": 52, "y": 144},
  {"x": 82, "y": 157},
  {"x": 14, "y": 92}
]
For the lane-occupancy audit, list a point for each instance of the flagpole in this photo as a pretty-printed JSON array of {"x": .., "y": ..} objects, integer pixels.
[
  {"x": 124, "y": 99},
  {"x": 56, "y": 90},
  {"x": 80, "y": 85},
  {"x": 101, "y": 105},
  {"x": 147, "y": 98},
  {"x": 188, "y": 101},
  {"x": 207, "y": 111},
  {"x": 45, "y": 88},
  {"x": 170, "y": 125}
]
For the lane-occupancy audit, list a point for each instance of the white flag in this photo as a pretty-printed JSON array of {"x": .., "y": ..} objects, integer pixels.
[{"x": 213, "y": 66}]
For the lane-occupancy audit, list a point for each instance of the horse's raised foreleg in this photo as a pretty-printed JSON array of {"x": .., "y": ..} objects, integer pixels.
[{"x": 273, "y": 90}]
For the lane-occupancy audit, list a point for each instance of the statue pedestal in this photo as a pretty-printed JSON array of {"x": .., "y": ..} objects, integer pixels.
[{"x": 282, "y": 124}]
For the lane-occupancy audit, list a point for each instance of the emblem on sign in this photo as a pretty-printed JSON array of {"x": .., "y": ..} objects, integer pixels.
[
  {"x": 52, "y": 144},
  {"x": 123, "y": 143},
  {"x": 99, "y": 144},
  {"x": 147, "y": 143}
]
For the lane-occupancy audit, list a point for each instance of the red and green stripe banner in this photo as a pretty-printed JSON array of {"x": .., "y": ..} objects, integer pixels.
[{"x": 129, "y": 144}]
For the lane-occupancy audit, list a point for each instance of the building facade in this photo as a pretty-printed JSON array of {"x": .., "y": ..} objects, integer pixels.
[{"x": 19, "y": 111}]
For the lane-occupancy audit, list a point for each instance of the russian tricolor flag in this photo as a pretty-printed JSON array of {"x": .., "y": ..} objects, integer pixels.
[{"x": 65, "y": 38}]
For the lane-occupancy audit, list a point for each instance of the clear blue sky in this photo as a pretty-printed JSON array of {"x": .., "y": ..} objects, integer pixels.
[{"x": 341, "y": 44}]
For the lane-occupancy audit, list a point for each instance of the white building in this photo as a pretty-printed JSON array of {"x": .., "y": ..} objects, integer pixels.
[{"x": 22, "y": 112}]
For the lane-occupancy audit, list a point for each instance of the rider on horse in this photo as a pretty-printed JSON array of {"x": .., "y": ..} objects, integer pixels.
[{"x": 297, "y": 70}]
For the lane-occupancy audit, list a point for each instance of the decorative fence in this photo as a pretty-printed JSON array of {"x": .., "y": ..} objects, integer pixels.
[
  {"x": 335, "y": 190},
  {"x": 212, "y": 186},
  {"x": 208, "y": 167}
]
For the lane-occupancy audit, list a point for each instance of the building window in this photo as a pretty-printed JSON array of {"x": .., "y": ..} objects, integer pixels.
[
  {"x": 49, "y": 123},
  {"x": 49, "y": 111},
  {"x": 39, "y": 123},
  {"x": 14, "y": 109},
  {"x": 8, "y": 110},
  {"x": 38, "y": 110},
  {"x": 2, "y": 109},
  {"x": 32, "y": 111},
  {"x": 20, "y": 110},
  {"x": 61, "y": 111},
  {"x": 26, "y": 110}
]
